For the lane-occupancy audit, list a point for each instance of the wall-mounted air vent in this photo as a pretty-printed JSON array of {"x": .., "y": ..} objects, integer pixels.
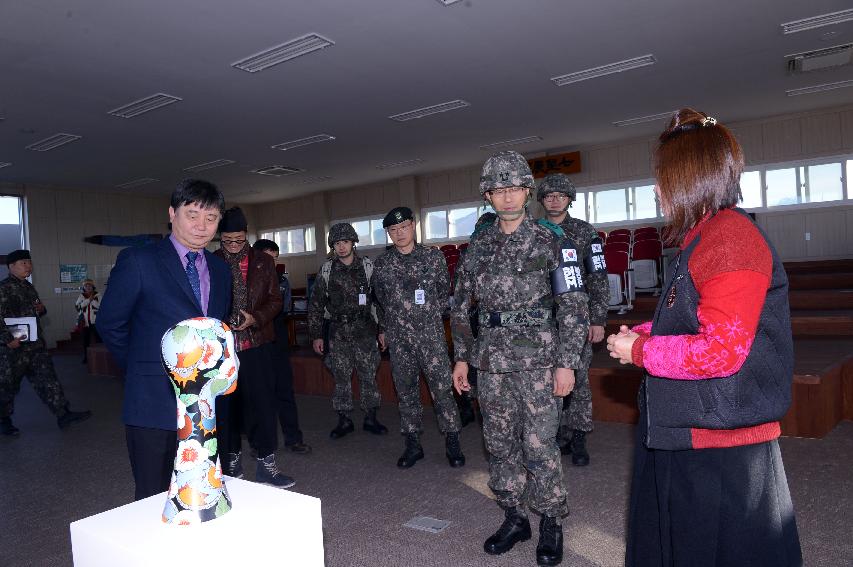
[
  {"x": 303, "y": 142},
  {"x": 609, "y": 69},
  {"x": 511, "y": 143},
  {"x": 144, "y": 105},
  {"x": 209, "y": 165},
  {"x": 284, "y": 52},
  {"x": 429, "y": 110},
  {"x": 53, "y": 142},
  {"x": 820, "y": 59},
  {"x": 817, "y": 21},
  {"x": 277, "y": 170},
  {"x": 405, "y": 163},
  {"x": 137, "y": 183}
]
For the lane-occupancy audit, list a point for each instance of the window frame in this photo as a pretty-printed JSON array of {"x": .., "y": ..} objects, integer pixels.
[
  {"x": 378, "y": 217},
  {"x": 481, "y": 206},
  {"x": 270, "y": 233}
]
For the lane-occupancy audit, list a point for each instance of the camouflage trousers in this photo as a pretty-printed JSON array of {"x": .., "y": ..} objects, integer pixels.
[
  {"x": 34, "y": 363},
  {"x": 577, "y": 406},
  {"x": 408, "y": 361},
  {"x": 520, "y": 420},
  {"x": 346, "y": 354}
]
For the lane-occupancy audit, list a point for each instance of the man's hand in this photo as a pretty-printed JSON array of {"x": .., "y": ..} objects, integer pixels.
[
  {"x": 564, "y": 381},
  {"x": 14, "y": 344},
  {"x": 596, "y": 333},
  {"x": 40, "y": 308},
  {"x": 382, "y": 345},
  {"x": 318, "y": 346},
  {"x": 460, "y": 377},
  {"x": 248, "y": 321}
]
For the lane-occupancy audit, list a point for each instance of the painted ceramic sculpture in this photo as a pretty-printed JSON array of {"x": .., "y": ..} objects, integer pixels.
[{"x": 200, "y": 359}]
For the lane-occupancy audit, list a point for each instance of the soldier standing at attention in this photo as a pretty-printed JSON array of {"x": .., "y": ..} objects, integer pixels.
[
  {"x": 411, "y": 283},
  {"x": 556, "y": 194},
  {"x": 342, "y": 295},
  {"x": 517, "y": 271}
]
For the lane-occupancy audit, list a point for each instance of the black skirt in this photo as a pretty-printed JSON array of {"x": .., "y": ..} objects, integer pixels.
[{"x": 711, "y": 507}]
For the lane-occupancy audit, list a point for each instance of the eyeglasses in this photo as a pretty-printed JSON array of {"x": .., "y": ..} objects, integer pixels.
[
  {"x": 400, "y": 228},
  {"x": 556, "y": 197},
  {"x": 228, "y": 242},
  {"x": 506, "y": 191}
]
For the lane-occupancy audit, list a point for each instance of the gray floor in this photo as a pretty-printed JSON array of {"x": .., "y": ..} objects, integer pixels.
[{"x": 49, "y": 478}]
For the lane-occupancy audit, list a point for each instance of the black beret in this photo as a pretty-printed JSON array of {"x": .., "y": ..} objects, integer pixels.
[
  {"x": 397, "y": 215},
  {"x": 13, "y": 257},
  {"x": 233, "y": 221}
]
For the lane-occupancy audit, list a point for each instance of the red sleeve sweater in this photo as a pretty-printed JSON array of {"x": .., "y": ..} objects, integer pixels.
[{"x": 731, "y": 269}]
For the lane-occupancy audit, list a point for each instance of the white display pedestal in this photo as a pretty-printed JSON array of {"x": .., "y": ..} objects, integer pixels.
[{"x": 267, "y": 526}]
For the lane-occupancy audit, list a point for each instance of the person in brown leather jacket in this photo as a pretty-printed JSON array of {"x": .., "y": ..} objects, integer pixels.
[{"x": 255, "y": 302}]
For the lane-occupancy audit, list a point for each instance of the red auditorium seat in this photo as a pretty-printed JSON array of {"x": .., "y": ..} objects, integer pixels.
[
  {"x": 447, "y": 248},
  {"x": 618, "y": 266},
  {"x": 618, "y": 246},
  {"x": 462, "y": 247},
  {"x": 646, "y": 263},
  {"x": 621, "y": 237},
  {"x": 618, "y": 231}
]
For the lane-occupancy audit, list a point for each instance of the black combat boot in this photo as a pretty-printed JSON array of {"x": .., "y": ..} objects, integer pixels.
[
  {"x": 453, "y": 450},
  {"x": 268, "y": 473},
  {"x": 8, "y": 428},
  {"x": 372, "y": 424},
  {"x": 577, "y": 447},
  {"x": 466, "y": 409},
  {"x": 67, "y": 417},
  {"x": 344, "y": 426},
  {"x": 413, "y": 453},
  {"x": 233, "y": 465},
  {"x": 515, "y": 528},
  {"x": 550, "y": 548}
]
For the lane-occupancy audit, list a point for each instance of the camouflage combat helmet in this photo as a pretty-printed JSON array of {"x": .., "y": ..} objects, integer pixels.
[
  {"x": 506, "y": 169},
  {"x": 342, "y": 231},
  {"x": 556, "y": 183}
]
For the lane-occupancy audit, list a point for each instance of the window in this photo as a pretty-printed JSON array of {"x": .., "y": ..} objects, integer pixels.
[
  {"x": 368, "y": 229},
  {"x": 644, "y": 203},
  {"x": 782, "y": 187},
  {"x": 578, "y": 208},
  {"x": 611, "y": 205},
  {"x": 11, "y": 228},
  {"x": 822, "y": 182},
  {"x": 296, "y": 240},
  {"x": 750, "y": 188},
  {"x": 453, "y": 223}
]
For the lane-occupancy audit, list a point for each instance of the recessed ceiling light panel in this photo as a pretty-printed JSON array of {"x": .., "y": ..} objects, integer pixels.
[
  {"x": 448, "y": 2},
  {"x": 4, "y": 164},
  {"x": 511, "y": 143},
  {"x": 285, "y": 52},
  {"x": 53, "y": 142},
  {"x": 820, "y": 88},
  {"x": 817, "y": 21},
  {"x": 609, "y": 69},
  {"x": 137, "y": 183},
  {"x": 303, "y": 142},
  {"x": 430, "y": 110},
  {"x": 644, "y": 119},
  {"x": 144, "y": 105},
  {"x": 399, "y": 163},
  {"x": 277, "y": 170},
  {"x": 209, "y": 165}
]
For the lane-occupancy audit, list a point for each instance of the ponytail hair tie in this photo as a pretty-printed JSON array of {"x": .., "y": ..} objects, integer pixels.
[{"x": 709, "y": 121}]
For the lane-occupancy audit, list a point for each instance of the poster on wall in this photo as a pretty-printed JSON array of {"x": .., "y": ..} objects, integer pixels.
[
  {"x": 72, "y": 273},
  {"x": 567, "y": 163}
]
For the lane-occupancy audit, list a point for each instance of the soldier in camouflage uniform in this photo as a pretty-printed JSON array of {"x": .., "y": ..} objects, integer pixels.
[
  {"x": 21, "y": 357},
  {"x": 342, "y": 292},
  {"x": 411, "y": 284},
  {"x": 523, "y": 277},
  {"x": 556, "y": 194}
]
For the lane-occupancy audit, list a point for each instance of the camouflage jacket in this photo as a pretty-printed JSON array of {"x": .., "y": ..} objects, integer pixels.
[
  {"x": 397, "y": 278},
  {"x": 18, "y": 299},
  {"x": 582, "y": 233},
  {"x": 340, "y": 298},
  {"x": 511, "y": 272}
]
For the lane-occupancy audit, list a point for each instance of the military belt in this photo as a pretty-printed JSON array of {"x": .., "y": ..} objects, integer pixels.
[{"x": 518, "y": 318}]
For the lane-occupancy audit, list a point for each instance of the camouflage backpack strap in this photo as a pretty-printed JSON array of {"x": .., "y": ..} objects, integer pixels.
[
  {"x": 325, "y": 272},
  {"x": 555, "y": 228},
  {"x": 368, "y": 272}
]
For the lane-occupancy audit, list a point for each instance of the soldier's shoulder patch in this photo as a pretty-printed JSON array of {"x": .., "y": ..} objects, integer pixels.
[{"x": 554, "y": 228}]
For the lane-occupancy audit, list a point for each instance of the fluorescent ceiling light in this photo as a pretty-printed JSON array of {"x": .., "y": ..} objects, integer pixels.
[
  {"x": 817, "y": 21},
  {"x": 430, "y": 110},
  {"x": 209, "y": 165},
  {"x": 284, "y": 52},
  {"x": 303, "y": 142},
  {"x": 277, "y": 170},
  {"x": 644, "y": 119},
  {"x": 399, "y": 163},
  {"x": 319, "y": 179},
  {"x": 608, "y": 69},
  {"x": 137, "y": 183},
  {"x": 449, "y": 2},
  {"x": 511, "y": 143},
  {"x": 4, "y": 164},
  {"x": 144, "y": 105},
  {"x": 820, "y": 88},
  {"x": 53, "y": 142}
]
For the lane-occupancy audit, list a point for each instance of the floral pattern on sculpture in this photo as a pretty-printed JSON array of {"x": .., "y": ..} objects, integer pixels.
[{"x": 201, "y": 362}]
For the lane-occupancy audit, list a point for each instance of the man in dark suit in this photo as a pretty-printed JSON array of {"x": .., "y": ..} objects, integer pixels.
[{"x": 150, "y": 289}]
